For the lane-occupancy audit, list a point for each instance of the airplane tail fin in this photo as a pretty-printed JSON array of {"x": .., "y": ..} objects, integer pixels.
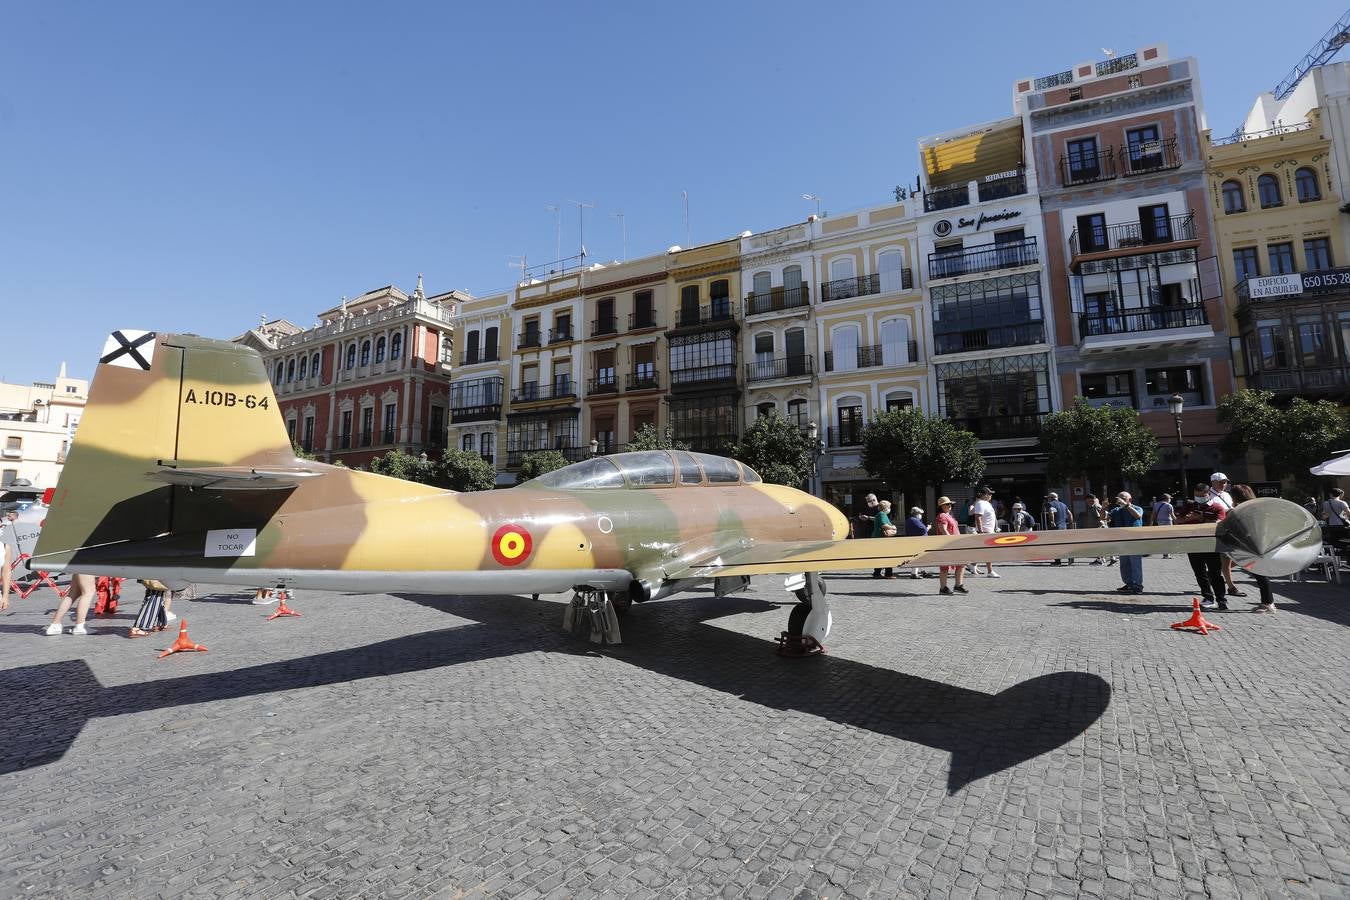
[{"x": 164, "y": 410}]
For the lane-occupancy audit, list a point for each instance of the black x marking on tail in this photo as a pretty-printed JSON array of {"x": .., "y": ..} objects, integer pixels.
[{"x": 129, "y": 348}]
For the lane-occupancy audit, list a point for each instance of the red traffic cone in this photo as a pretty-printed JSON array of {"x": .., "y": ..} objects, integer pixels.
[
  {"x": 282, "y": 608},
  {"x": 1197, "y": 621},
  {"x": 182, "y": 643}
]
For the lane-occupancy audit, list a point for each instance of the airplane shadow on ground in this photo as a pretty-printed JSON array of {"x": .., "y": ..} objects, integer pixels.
[{"x": 44, "y": 707}]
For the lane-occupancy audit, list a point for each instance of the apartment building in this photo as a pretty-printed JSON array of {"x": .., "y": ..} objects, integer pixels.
[
  {"x": 478, "y": 384},
  {"x": 702, "y": 340},
  {"x": 1136, "y": 291},
  {"x": 37, "y": 425},
  {"x": 780, "y": 350},
  {"x": 982, "y": 246},
  {"x": 371, "y": 377},
  {"x": 1276, "y": 199}
]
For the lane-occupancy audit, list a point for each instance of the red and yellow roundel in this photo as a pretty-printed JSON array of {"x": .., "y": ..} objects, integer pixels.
[
  {"x": 511, "y": 545},
  {"x": 1005, "y": 540}
]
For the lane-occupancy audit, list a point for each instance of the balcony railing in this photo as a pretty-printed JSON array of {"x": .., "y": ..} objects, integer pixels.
[
  {"x": 871, "y": 356},
  {"x": 707, "y": 443},
  {"x": 1132, "y": 234},
  {"x": 948, "y": 197},
  {"x": 642, "y": 381},
  {"x": 571, "y": 454},
  {"x": 605, "y": 325},
  {"x": 558, "y": 335},
  {"x": 1150, "y": 156},
  {"x": 991, "y": 338},
  {"x": 527, "y": 339},
  {"x": 387, "y": 436},
  {"x": 719, "y": 310},
  {"x": 1153, "y": 318},
  {"x": 780, "y": 367},
  {"x": 1240, "y": 136},
  {"x": 1087, "y": 169},
  {"x": 637, "y": 321},
  {"x": 777, "y": 299},
  {"x": 366, "y": 439},
  {"x": 1013, "y": 184},
  {"x": 602, "y": 384},
  {"x": 480, "y": 413},
  {"x": 858, "y": 286},
  {"x": 562, "y": 389},
  {"x": 703, "y": 374},
  {"x": 1315, "y": 380},
  {"x": 985, "y": 258},
  {"x": 847, "y": 436},
  {"x": 470, "y": 357},
  {"x": 995, "y": 428}
]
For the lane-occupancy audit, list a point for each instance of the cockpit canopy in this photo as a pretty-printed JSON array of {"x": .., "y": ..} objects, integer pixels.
[{"x": 647, "y": 469}]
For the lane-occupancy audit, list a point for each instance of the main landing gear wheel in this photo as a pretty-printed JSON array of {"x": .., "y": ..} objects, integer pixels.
[
  {"x": 810, "y": 620},
  {"x": 593, "y": 610}
]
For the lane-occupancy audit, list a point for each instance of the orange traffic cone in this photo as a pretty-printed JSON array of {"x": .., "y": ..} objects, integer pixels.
[
  {"x": 182, "y": 643},
  {"x": 282, "y": 608},
  {"x": 1197, "y": 621}
]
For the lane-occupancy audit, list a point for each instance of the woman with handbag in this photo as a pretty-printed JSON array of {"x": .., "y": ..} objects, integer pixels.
[{"x": 883, "y": 527}]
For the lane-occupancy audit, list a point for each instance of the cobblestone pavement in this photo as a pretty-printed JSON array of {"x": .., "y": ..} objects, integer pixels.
[{"x": 1041, "y": 737}]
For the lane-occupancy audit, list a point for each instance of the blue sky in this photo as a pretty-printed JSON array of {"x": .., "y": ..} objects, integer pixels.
[{"x": 192, "y": 166}]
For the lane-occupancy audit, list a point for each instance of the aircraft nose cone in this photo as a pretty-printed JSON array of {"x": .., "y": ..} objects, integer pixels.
[{"x": 1270, "y": 537}]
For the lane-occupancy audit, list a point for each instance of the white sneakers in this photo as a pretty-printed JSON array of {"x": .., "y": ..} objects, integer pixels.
[
  {"x": 993, "y": 574},
  {"x": 52, "y": 629},
  {"x": 79, "y": 629},
  {"x": 169, "y": 617}
]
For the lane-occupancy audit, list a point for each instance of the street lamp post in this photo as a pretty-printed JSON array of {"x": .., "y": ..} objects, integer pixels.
[
  {"x": 817, "y": 448},
  {"x": 1177, "y": 404}
]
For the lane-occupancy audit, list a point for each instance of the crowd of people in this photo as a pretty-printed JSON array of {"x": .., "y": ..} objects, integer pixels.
[{"x": 1209, "y": 502}]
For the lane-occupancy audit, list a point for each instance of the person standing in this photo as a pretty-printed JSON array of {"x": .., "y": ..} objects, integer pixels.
[
  {"x": 1163, "y": 513},
  {"x": 1218, "y": 493},
  {"x": 1061, "y": 517},
  {"x": 882, "y": 527},
  {"x": 1201, "y": 509},
  {"x": 1335, "y": 511},
  {"x": 81, "y": 593},
  {"x": 1241, "y": 494},
  {"x": 945, "y": 524},
  {"x": 985, "y": 520},
  {"x": 1021, "y": 519},
  {"x": 914, "y": 527},
  {"x": 1126, "y": 515},
  {"x": 1096, "y": 513},
  {"x": 7, "y": 556}
]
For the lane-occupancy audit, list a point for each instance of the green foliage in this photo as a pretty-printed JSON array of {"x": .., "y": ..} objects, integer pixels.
[
  {"x": 1087, "y": 441},
  {"x": 339, "y": 463},
  {"x": 463, "y": 470},
  {"x": 397, "y": 464},
  {"x": 536, "y": 464},
  {"x": 911, "y": 451},
  {"x": 648, "y": 438},
  {"x": 776, "y": 449},
  {"x": 301, "y": 452},
  {"x": 1290, "y": 439}
]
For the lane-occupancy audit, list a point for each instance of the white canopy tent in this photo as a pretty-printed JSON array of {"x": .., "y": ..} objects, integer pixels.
[{"x": 1337, "y": 465}]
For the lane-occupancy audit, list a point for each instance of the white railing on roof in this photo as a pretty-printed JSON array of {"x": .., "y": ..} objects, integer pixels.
[{"x": 418, "y": 308}]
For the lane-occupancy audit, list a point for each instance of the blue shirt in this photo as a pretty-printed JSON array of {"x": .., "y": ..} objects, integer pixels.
[
  {"x": 1123, "y": 517},
  {"x": 914, "y": 527},
  {"x": 1061, "y": 513}
]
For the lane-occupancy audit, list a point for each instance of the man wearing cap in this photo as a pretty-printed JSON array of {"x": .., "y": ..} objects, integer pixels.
[
  {"x": 914, "y": 527},
  {"x": 1061, "y": 517},
  {"x": 1218, "y": 495},
  {"x": 1021, "y": 519},
  {"x": 986, "y": 521},
  {"x": 946, "y": 524},
  {"x": 1124, "y": 514}
]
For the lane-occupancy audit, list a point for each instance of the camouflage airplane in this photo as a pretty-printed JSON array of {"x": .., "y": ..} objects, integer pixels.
[{"x": 184, "y": 472}]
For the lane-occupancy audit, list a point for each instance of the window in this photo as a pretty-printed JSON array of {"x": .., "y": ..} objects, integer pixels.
[
  {"x": 562, "y": 326},
  {"x": 365, "y": 353},
  {"x": 1281, "y": 258},
  {"x": 792, "y": 285},
  {"x": 351, "y": 356},
  {"x": 850, "y": 419},
  {"x": 797, "y": 413},
  {"x": 1313, "y": 347},
  {"x": 396, "y": 347},
  {"x": 280, "y": 373},
  {"x": 705, "y": 423},
  {"x": 899, "y": 400},
  {"x": 308, "y": 442},
  {"x": 643, "y": 315},
  {"x": 1109, "y": 389},
  {"x": 486, "y": 443},
  {"x": 1317, "y": 254},
  {"x": 766, "y": 409},
  {"x": 603, "y": 432},
  {"x": 604, "y": 317},
  {"x": 702, "y": 357},
  {"x": 367, "y": 426},
  {"x": 490, "y": 344},
  {"x": 1092, "y": 233},
  {"x": 1274, "y": 347},
  {"x": 290, "y": 371},
  {"x": 795, "y": 357},
  {"x": 988, "y": 314},
  {"x": 895, "y": 342},
  {"x": 8, "y": 477},
  {"x": 1154, "y": 225},
  {"x": 314, "y": 366},
  {"x": 1246, "y": 263},
  {"x": 1233, "y": 201},
  {"x": 1084, "y": 164},
  {"x": 719, "y": 298},
  {"x": 1145, "y": 148},
  {"x": 466, "y": 443},
  {"x": 764, "y": 355},
  {"x": 891, "y": 266},
  {"x": 290, "y": 429},
  {"x": 1268, "y": 189},
  {"x": 379, "y": 349},
  {"x": 13, "y": 442},
  {"x": 1161, "y": 384},
  {"x": 689, "y": 305},
  {"x": 841, "y": 268},
  {"x": 947, "y": 260},
  {"x": 436, "y": 427},
  {"x": 1305, "y": 184},
  {"x": 763, "y": 282},
  {"x": 844, "y": 349},
  {"x": 644, "y": 366},
  {"x": 531, "y": 336},
  {"x": 304, "y": 368},
  {"x": 604, "y": 368},
  {"x": 1002, "y": 397},
  {"x": 390, "y": 427},
  {"x": 345, "y": 435}
]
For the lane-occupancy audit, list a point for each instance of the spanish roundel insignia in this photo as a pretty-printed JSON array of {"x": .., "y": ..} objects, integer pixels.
[
  {"x": 1007, "y": 539},
  {"x": 511, "y": 545}
]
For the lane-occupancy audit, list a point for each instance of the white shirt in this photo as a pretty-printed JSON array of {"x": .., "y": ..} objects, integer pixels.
[
  {"x": 1222, "y": 496},
  {"x": 984, "y": 511}
]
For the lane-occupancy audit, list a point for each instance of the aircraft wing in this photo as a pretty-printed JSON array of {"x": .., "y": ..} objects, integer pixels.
[
  {"x": 872, "y": 553},
  {"x": 233, "y": 478}
]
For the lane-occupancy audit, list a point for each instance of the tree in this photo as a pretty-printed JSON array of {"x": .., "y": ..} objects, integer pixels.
[
  {"x": 776, "y": 449},
  {"x": 648, "y": 438},
  {"x": 1290, "y": 439},
  {"x": 397, "y": 464},
  {"x": 1087, "y": 441},
  {"x": 540, "y": 463},
  {"x": 464, "y": 470},
  {"x": 911, "y": 451},
  {"x": 301, "y": 452}
]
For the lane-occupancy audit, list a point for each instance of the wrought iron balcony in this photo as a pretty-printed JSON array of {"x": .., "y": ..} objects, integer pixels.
[
  {"x": 1132, "y": 234},
  {"x": 867, "y": 357},
  {"x": 642, "y": 381},
  {"x": 470, "y": 357},
  {"x": 707, "y": 443},
  {"x": 1087, "y": 169},
  {"x": 844, "y": 288},
  {"x": 996, "y": 428},
  {"x": 387, "y": 436},
  {"x": 1138, "y": 321},
  {"x": 559, "y": 335},
  {"x": 527, "y": 339},
  {"x": 479, "y": 413},
  {"x": 605, "y": 325},
  {"x": 846, "y": 436},
  {"x": 991, "y": 338},
  {"x": 638, "y": 321},
  {"x": 703, "y": 375},
  {"x": 602, "y": 384},
  {"x": 777, "y": 299},
  {"x": 1013, "y": 184},
  {"x": 780, "y": 367},
  {"x": 948, "y": 197},
  {"x": 367, "y": 439},
  {"x": 1150, "y": 156},
  {"x": 345, "y": 441},
  {"x": 719, "y": 310},
  {"x": 1314, "y": 380},
  {"x": 531, "y": 391},
  {"x": 984, "y": 258}
]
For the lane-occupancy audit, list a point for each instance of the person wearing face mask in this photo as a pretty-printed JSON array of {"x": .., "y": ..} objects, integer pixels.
[{"x": 1202, "y": 508}]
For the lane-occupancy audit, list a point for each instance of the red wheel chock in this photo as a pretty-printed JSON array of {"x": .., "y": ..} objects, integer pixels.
[
  {"x": 282, "y": 609},
  {"x": 182, "y": 644},
  {"x": 1197, "y": 621}
]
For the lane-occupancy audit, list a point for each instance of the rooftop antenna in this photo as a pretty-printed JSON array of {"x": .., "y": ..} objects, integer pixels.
[
  {"x": 557, "y": 222},
  {"x": 623, "y": 225},
  {"x": 518, "y": 262},
  {"x": 817, "y": 202},
  {"x": 581, "y": 217},
  {"x": 687, "y": 241}
]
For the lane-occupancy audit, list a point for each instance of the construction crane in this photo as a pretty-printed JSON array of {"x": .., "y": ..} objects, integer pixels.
[{"x": 1322, "y": 52}]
